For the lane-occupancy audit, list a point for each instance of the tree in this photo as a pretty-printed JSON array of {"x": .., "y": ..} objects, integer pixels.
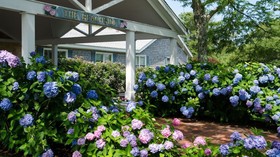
[{"x": 239, "y": 17}]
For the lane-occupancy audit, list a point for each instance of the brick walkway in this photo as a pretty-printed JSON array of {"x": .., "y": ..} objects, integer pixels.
[{"x": 217, "y": 133}]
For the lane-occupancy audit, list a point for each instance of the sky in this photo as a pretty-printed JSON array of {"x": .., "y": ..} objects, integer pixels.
[{"x": 177, "y": 7}]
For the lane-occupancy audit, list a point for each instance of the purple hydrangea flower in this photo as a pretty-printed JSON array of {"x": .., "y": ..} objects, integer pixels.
[
  {"x": 198, "y": 88},
  {"x": 70, "y": 97},
  {"x": 192, "y": 72},
  {"x": 31, "y": 75},
  {"x": 145, "y": 136},
  {"x": 6, "y": 104},
  {"x": 275, "y": 144},
  {"x": 154, "y": 94},
  {"x": 234, "y": 100},
  {"x": 161, "y": 87},
  {"x": 199, "y": 141},
  {"x": 72, "y": 116},
  {"x": 41, "y": 60},
  {"x": 48, "y": 153},
  {"x": 187, "y": 76},
  {"x": 91, "y": 94},
  {"x": 140, "y": 103},
  {"x": 32, "y": 53},
  {"x": 268, "y": 107},
  {"x": 12, "y": 60},
  {"x": 135, "y": 151},
  {"x": 263, "y": 79},
  {"x": 130, "y": 106},
  {"x": 41, "y": 76},
  {"x": 15, "y": 86},
  {"x": 101, "y": 128},
  {"x": 116, "y": 133},
  {"x": 216, "y": 91},
  {"x": 215, "y": 79},
  {"x": 136, "y": 124},
  {"x": 235, "y": 136},
  {"x": 81, "y": 141},
  {"x": 135, "y": 87},
  {"x": 224, "y": 91},
  {"x": 249, "y": 103},
  {"x": 166, "y": 69},
  {"x": 177, "y": 135},
  {"x": 144, "y": 153},
  {"x": 207, "y": 152},
  {"x": 168, "y": 145},
  {"x": 189, "y": 66},
  {"x": 273, "y": 152},
  {"x": 76, "y": 154},
  {"x": 181, "y": 79},
  {"x": 165, "y": 98},
  {"x": 77, "y": 89},
  {"x": 195, "y": 81},
  {"x": 243, "y": 95},
  {"x": 154, "y": 148},
  {"x": 72, "y": 76},
  {"x": 124, "y": 143},
  {"x": 27, "y": 120},
  {"x": 255, "y": 89},
  {"x": 224, "y": 149},
  {"x": 201, "y": 96},
  {"x": 207, "y": 77},
  {"x": 172, "y": 84},
  {"x": 70, "y": 131},
  {"x": 142, "y": 76},
  {"x": 150, "y": 83},
  {"x": 50, "y": 89}
]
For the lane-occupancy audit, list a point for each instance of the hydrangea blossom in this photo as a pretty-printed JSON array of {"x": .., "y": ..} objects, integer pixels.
[
  {"x": 135, "y": 151},
  {"x": 130, "y": 106},
  {"x": 31, "y": 75},
  {"x": 154, "y": 148},
  {"x": 76, "y": 154},
  {"x": 207, "y": 77},
  {"x": 166, "y": 69},
  {"x": 142, "y": 76},
  {"x": 135, "y": 87},
  {"x": 201, "y": 95},
  {"x": 192, "y": 72},
  {"x": 172, "y": 84},
  {"x": 257, "y": 142},
  {"x": 15, "y": 86},
  {"x": 50, "y": 89},
  {"x": 40, "y": 59},
  {"x": 27, "y": 120},
  {"x": 150, "y": 83},
  {"x": 235, "y": 136},
  {"x": 144, "y": 153},
  {"x": 70, "y": 97},
  {"x": 124, "y": 143},
  {"x": 6, "y": 104},
  {"x": 70, "y": 131},
  {"x": 207, "y": 152},
  {"x": 48, "y": 153},
  {"x": 116, "y": 133},
  {"x": 71, "y": 116},
  {"x": 198, "y": 88},
  {"x": 77, "y": 89},
  {"x": 145, "y": 136},
  {"x": 81, "y": 141},
  {"x": 263, "y": 79},
  {"x": 91, "y": 94},
  {"x": 168, "y": 145},
  {"x": 100, "y": 144},
  {"x": 189, "y": 66},
  {"x": 154, "y": 94},
  {"x": 195, "y": 81},
  {"x": 177, "y": 135},
  {"x": 176, "y": 122},
  {"x": 101, "y": 128},
  {"x": 216, "y": 91},
  {"x": 161, "y": 87},
  {"x": 234, "y": 100},
  {"x": 164, "y": 98},
  {"x": 215, "y": 79},
  {"x": 12, "y": 60},
  {"x": 237, "y": 78},
  {"x": 181, "y": 79},
  {"x": 273, "y": 152},
  {"x": 199, "y": 141},
  {"x": 136, "y": 124},
  {"x": 244, "y": 95},
  {"x": 166, "y": 132},
  {"x": 41, "y": 76},
  {"x": 224, "y": 149},
  {"x": 72, "y": 76},
  {"x": 255, "y": 89}
]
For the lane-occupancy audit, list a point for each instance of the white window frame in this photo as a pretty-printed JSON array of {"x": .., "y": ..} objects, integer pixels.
[
  {"x": 104, "y": 53},
  {"x": 61, "y": 50},
  {"x": 145, "y": 57}
]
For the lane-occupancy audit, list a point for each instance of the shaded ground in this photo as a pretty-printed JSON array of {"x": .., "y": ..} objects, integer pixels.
[{"x": 217, "y": 133}]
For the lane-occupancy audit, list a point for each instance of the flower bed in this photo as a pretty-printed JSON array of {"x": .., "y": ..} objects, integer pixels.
[{"x": 43, "y": 107}]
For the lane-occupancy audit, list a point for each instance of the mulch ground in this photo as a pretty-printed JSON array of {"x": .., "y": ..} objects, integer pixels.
[{"x": 217, "y": 133}]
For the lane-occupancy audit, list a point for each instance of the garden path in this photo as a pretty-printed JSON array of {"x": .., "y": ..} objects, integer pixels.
[{"x": 215, "y": 132}]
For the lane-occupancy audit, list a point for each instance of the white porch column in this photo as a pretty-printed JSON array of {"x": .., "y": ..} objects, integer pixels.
[
  {"x": 173, "y": 51},
  {"x": 55, "y": 54},
  {"x": 130, "y": 65},
  {"x": 27, "y": 35}
]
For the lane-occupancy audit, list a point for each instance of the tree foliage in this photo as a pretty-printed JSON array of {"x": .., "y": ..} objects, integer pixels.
[{"x": 238, "y": 19}]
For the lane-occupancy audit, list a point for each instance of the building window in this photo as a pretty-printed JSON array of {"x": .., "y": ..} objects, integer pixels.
[
  {"x": 103, "y": 57},
  {"x": 48, "y": 54},
  {"x": 141, "y": 61},
  {"x": 167, "y": 60}
]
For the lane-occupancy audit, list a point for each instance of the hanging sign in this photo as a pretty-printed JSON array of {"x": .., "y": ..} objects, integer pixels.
[{"x": 84, "y": 17}]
